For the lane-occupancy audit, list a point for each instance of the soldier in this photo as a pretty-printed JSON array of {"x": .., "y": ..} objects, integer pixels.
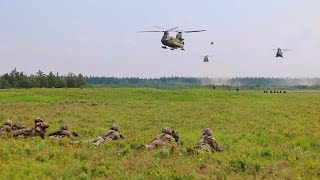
[
  {"x": 237, "y": 89},
  {"x": 9, "y": 125},
  {"x": 63, "y": 132},
  {"x": 39, "y": 129},
  {"x": 6, "y": 129},
  {"x": 166, "y": 136},
  {"x": 111, "y": 134},
  {"x": 207, "y": 142}
]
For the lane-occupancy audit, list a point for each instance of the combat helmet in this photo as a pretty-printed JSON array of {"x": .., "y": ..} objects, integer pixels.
[
  {"x": 8, "y": 122},
  {"x": 207, "y": 131},
  {"x": 64, "y": 126},
  {"x": 38, "y": 120},
  {"x": 115, "y": 127},
  {"x": 166, "y": 130}
]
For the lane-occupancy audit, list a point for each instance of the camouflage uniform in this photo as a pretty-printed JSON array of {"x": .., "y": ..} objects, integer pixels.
[
  {"x": 161, "y": 140},
  {"x": 6, "y": 129},
  {"x": 111, "y": 134},
  {"x": 38, "y": 130},
  {"x": 62, "y": 132},
  {"x": 207, "y": 142}
]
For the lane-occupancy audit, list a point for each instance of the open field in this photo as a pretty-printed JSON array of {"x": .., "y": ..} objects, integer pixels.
[{"x": 263, "y": 135}]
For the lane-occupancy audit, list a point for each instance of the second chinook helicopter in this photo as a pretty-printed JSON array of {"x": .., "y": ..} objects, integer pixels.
[
  {"x": 206, "y": 58},
  {"x": 172, "y": 42},
  {"x": 280, "y": 53}
]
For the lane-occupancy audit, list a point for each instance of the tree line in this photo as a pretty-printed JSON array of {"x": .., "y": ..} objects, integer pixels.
[
  {"x": 173, "y": 81},
  {"x": 176, "y": 81},
  {"x": 16, "y": 79}
]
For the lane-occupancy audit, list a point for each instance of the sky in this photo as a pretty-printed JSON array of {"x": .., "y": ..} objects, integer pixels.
[{"x": 98, "y": 37}]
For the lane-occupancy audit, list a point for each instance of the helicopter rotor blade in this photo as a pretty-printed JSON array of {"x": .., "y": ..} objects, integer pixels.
[
  {"x": 160, "y": 27},
  {"x": 148, "y": 31},
  {"x": 172, "y": 29},
  {"x": 191, "y": 31},
  {"x": 286, "y": 50},
  {"x": 165, "y": 28}
]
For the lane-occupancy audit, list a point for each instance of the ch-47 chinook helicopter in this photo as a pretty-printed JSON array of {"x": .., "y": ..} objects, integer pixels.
[
  {"x": 206, "y": 58},
  {"x": 280, "y": 53},
  {"x": 172, "y": 42}
]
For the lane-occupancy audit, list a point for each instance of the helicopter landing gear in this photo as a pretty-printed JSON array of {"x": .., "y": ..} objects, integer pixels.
[
  {"x": 164, "y": 47},
  {"x": 172, "y": 49},
  {"x": 182, "y": 49}
]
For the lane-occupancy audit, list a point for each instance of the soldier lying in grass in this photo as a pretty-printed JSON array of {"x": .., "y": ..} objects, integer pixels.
[
  {"x": 63, "y": 132},
  {"x": 39, "y": 129},
  {"x": 111, "y": 134},
  {"x": 166, "y": 136},
  {"x": 9, "y": 127},
  {"x": 6, "y": 129},
  {"x": 207, "y": 142}
]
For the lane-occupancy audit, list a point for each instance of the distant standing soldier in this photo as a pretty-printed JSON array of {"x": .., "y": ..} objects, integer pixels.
[
  {"x": 63, "y": 132},
  {"x": 166, "y": 136},
  {"x": 214, "y": 87},
  {"x": 207, "y": 142},
  {"x": 237, "y": 89},
  {"x": 111, "y": 134}
]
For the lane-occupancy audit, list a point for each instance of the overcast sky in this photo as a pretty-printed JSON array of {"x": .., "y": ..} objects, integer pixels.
[{"x": 100, "y": 37}]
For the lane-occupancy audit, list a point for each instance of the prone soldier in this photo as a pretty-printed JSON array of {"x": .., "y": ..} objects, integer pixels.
[
  {"x": 207, "y": 142},
  {"x": 6, "y": 129},
  {"x": 111, "y": 134},
  {"x": 39, "y": 129},
  {"x": 63, "y": 132},
  {"x": 166, "y": 136}
]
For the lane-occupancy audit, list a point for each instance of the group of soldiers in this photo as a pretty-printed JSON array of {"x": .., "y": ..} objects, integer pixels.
[
  {"x": 11, "y": 130},
  {"x": 274, "y": 91},
  {"x": 166, "y": 137}
]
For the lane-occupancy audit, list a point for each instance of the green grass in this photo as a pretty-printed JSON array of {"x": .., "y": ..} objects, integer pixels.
[{"x": 263, "y": 135}]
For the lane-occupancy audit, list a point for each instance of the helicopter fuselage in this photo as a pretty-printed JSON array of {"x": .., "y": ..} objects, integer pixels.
[
  {"x": 172, "y": 42},
  {"x": 206, "y": 59},
  {"x": 279, "y": 53}
]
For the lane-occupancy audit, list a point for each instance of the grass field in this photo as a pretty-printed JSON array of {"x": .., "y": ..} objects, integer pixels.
[{"x": 263, "y": 135}]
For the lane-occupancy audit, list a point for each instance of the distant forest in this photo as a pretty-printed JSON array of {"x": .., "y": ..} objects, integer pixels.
[
  {"x": 175, "y": 81},
  {"x": 16, "y": 79}
]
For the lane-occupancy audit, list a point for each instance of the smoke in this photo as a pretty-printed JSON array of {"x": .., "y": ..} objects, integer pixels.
[
  {"x": 217, "y": 81},
  {"x": 260, "y": 81}
]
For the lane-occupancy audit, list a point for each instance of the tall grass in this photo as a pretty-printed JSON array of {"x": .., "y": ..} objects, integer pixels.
[{"x": 263, "y": 135}]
